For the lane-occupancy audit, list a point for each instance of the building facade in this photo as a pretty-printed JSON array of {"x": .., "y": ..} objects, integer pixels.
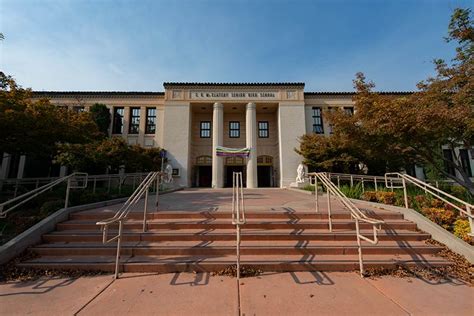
[{"x": 190, "y": 120}]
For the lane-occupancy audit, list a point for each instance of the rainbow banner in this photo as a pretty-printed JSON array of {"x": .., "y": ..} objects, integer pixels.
[{"x": 232, "y": 152}]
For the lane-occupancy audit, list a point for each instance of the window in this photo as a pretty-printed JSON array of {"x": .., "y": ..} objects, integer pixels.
[
  {"x": 150, "y": 127},
  {"x": 317, "y": 121},
  {"x": 205, "y": 129},
  {"x": 466, "y": 164},
  {"x": 263, "y": 129},
  {"x": 118, "y": 121},
  {"x": 234, "y": 129},
  {"x": 134, "y": 121},
  {"x": 349, "y": 111},
  {"x": 78, "y": 109},
  {"x": 448, "y": 156}
]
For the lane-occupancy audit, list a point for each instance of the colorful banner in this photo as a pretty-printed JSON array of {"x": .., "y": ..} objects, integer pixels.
[{"x": 232, "y": 152}]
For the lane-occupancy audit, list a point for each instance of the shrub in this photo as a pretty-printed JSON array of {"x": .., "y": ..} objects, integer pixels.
[
  {"x": 442, "y": 217},
  {"x": 462, "y": 229},
  {"x": 458, "y": 191},
  {"x": 437, "y": 203},
  {"x": 50, "y": 207},
  {"x": 386, "y": 197},
  {"x": 422, "y": 201},
  {"x": 370, "y": 196}
]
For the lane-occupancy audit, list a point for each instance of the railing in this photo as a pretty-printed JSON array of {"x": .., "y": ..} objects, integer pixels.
[
  {"x": 122, "y": 214},
  {"x": 238, "y": 211},
  {"x": 356, "y": 213},
  {"x": 439, "y": 194},
  {"x": 13, "y": 186},
  {"x": 76, "y": 180},
  {"x": 376, "y": 180}
]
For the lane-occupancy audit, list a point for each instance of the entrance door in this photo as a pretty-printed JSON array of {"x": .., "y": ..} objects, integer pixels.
[
  {"x": 205, "y": 176},
  {"x": 229, "y": 172},
  {"x": 264, "y": 176}
]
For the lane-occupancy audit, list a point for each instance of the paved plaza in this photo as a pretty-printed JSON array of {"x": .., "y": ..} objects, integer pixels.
[{"x": 298, "y": 293}]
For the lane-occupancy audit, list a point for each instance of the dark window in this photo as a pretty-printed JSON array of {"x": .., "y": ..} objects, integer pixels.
[
  {"x": 263, "y": 129},
  {"x": 234, "y": 129},
  {"x": 317, "y": 121},
  {"x": 134, "y": 121},
  {"x": 78, "y": 109},
  {"x": 466, "y": 164},
  {"x": 205, "y": 129},
  {"x": 150, "y": 127},
  {"x": 118, "y": 121},
  {"x": 448, "y": 156},
  {"x": 349, "y": 111}
]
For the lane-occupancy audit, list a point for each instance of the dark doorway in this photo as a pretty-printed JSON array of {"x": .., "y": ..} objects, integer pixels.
[
  {"x": 264, "y": 176},
  {"x": 229, "y": 172},
  {"x": 204, "y": 176}
]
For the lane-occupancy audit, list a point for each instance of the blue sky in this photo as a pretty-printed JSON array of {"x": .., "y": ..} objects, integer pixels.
[{"x": 137, "y": 45}]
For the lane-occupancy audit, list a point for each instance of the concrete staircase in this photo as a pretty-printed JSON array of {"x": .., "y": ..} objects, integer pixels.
[{"x": 205, "y": 241}]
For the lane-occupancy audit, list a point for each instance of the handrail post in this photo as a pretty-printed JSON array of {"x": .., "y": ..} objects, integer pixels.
[
  {"x": 145, "y": 208},
  {"x": 329, "y": 208},
  {"x": 68, "y": 188},
  {"x": 119, "y": 244},
  {"x": 363, "y": 189},
  {"x": 359, "y": 246},
  {"x": 157, "y": 193},
  {"x": 375, "y": 183},
  {"x": 338, "y": 182},
  {"x": 352, "y": 181},
  {"x": 405, "y": 196},
  {"x": 316, "y": 193},
  {"x": 238, "y": 252}
]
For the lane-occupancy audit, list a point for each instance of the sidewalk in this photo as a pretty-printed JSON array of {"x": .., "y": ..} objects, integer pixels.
[{"x": 298, "y": 293}]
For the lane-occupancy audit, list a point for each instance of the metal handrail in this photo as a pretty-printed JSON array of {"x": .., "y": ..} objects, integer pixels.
[
  {"x": 22, "y": 199},
  {"x": 122, "y": 214},
  {"x": 356, "y": 213},
  {"x": 439, "y": 194},
  {"x": 238, "y": 211}
]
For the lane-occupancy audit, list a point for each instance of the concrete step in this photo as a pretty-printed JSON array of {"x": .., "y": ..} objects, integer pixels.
[
  {"x": 226, "y": 234},
  {"x": 167, "y": 264},
  {"x": 228, "y": 248},
  {"x": 225, "y": 224},
  {"x": 95, "y": 215}
]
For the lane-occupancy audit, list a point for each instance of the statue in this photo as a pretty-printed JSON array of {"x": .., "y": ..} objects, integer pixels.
[
  {"x": 168, "y": 177},
  {"x": 301, "y": 173}
]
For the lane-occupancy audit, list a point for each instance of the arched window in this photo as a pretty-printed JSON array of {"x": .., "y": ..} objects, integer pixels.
[
  {"x": 204, "y": 161},
  {"x": 265, "y": 160},
  {"x": 234, "y": 161}
]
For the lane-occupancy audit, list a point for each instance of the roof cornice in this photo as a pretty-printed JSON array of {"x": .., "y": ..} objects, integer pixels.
[
  {"x": 73, "y": 94},
  {"x": 232, "y": 84}
]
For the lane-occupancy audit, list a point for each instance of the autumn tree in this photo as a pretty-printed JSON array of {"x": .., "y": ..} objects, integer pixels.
[{"x": 387, "y": 131}]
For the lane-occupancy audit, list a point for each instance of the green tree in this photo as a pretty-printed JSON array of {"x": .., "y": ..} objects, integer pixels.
[
  {"x": 387, "y": 132},
  {"x": 34, "y": 127},
  {"x": 101, "y": 115}
]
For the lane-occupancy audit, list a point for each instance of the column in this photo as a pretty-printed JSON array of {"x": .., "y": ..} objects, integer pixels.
[
  {"x": 21, "y": 167},
  {"x": 217, "y": 140},
  {"x": 251, "y": 137}
]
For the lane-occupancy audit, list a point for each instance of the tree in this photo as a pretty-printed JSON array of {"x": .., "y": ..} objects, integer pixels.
[
  {"x": 101, "y": 116},
  {"x": 34, "y": 127},
  {"x": 388, "y": 132},
  {"x": 109, "y": 153}
]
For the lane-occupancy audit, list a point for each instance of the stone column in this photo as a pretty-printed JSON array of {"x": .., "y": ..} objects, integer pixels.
[
  {"x": 217, "y": 140},
  {"x": 21, "y": 167},
  {"x": 251, "y": 137}
]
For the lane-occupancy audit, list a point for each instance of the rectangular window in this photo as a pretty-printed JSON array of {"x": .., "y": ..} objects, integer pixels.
[
  {"x": 134, "y": 121},
  {"x": 78, "y": 109},
  {"x": 349, "y": 111},
  {"x": 466, "y": 164},
  {"x": 205, "y": 131},
  {"x": 150, "y": 127},
  {"x": 234, "y": 129},
  {"x": 118, "y": 121},
  {"x": 263, "y": 129},
  {"x": 448, "y": 155},
  {"x": 317, "y": 121}
]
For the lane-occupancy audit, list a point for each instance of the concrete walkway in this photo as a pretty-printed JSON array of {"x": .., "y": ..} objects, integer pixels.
[{"x": 299, "y": 293}]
